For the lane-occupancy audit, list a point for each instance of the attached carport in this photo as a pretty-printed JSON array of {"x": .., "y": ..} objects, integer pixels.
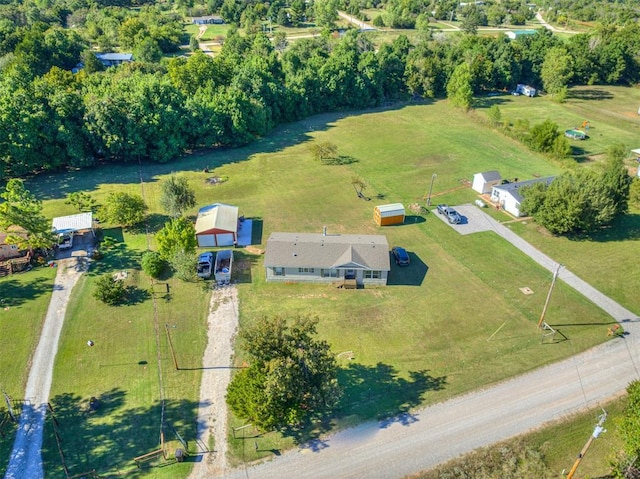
[{"x": 80, "y": 223}]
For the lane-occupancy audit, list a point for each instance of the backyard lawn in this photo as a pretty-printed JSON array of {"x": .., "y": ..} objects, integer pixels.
[{"x": 455, "y": 320}]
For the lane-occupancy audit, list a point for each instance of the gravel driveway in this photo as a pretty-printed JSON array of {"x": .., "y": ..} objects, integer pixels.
[
  {"x": 26, "y": 459},
  {"x": 212, "y": 410}
]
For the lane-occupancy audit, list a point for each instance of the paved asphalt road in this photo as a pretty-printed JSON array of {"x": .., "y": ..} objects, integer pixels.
[{"x": 433, "y": 435}]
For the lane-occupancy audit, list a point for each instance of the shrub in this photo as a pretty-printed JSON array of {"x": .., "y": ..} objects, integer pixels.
[
  {"x": 109, "y": 290},
  {"x": 153, "y": 264},
  {"x": 185, "y": 265}
]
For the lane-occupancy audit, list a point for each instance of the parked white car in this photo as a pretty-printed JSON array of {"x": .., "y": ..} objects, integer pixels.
[
  {"x": 65, "y": 240},
  {"x": 205, "y": 265}
]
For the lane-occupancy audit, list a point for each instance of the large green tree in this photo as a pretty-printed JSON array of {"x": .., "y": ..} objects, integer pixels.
[
  {"x": 125, "y": 209},
  {"x": 580, "y": 201},
  {"x": 176, "y": 195},
  {"x": 292, "y": 375},
  {"x": 556, "y": 71},
  {"x": 459, "y": 89},
  {"x": 177, "y": 236},
  {"x": 21, "y": 217},
  {"x": 627, "y": 464}
]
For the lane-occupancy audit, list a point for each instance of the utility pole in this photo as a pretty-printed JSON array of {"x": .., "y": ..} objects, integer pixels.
[
  {"x": 596, "y": 432},
  {"x": 546, "y": 303},
  {"x": 433, "y": 177}
]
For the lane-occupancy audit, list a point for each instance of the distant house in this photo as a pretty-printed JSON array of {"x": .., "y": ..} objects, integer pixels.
[
  {"x": 322, "y": 258},
  {"x": 515, "y": 34},
  {"x": 208, "y": 19},
  {"x": 217, "y": 225},
  {"x": 113, "y": 59},
  {"x": 483, "y": 182},
  {"x": 8, "y": 250},
  {"x": 507, "y": 196}
]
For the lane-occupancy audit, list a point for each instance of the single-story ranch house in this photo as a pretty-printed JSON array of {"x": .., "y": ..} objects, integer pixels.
[
  {"x": 322, "y": 258},
  {"x": 507, "y": 196}
]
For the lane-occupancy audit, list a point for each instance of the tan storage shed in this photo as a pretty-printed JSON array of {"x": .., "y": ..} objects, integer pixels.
[{"x": 385, "y": 215}]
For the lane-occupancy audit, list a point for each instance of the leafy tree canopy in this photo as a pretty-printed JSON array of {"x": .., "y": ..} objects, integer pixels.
[
  {"x": 581, "y": 201},
  {"x": 292, "y": 375},
  {"x": 177, "y": 236},
  {"x": 123, "y": 209},
  {"x": 21, "y": 217},
  {"x": 109, "y": 290},
  {"x": 176, "y": 195}
]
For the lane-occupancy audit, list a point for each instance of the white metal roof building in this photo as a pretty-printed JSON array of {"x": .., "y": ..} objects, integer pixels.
[{"x": 73, "y": 223}]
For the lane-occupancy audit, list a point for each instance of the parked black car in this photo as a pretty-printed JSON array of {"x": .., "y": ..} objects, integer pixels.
[{"x": 401, "y": 256}]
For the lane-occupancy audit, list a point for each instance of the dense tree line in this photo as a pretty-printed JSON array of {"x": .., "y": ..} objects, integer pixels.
[{"x": 156, "y": 108}]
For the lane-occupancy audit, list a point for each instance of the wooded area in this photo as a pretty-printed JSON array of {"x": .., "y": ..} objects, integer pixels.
[{"x": 156, "y": 108}]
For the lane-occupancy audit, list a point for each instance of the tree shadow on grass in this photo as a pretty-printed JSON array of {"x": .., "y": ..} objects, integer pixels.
[
  {"x": 340, "y": 160},
  {"x": 15, "y": 292},
  {"x": 109, "y": 438},
  {"x": 590, "y": 94},
  {"x": 115, "y": 254},
  {"x": 623, "y": 228},
  {"x": 370, "y": 392},
  {"x": 378, "y": 392},
  {"x": 155, "y": 222},
  {"x": 135, "y": 296}
]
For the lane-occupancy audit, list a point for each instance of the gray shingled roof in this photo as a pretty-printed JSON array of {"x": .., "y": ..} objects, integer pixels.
[
  {"x": 315, "y": 250},
  {"x": 490, "y": 175},
  {"x": 515, "y": 188}
]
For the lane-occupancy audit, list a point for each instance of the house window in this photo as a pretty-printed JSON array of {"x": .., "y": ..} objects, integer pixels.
[
  {"x": 372, "y": 274},
  {"x": 278, "y": 271},
  {"x": 306, "y": 270},
  {"x": 329, "y": 273}
]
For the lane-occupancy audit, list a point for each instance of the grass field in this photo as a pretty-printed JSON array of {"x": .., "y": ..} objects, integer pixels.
[
  {"x": 24, "y": 299},
  {"x": 422, "y": 339}
]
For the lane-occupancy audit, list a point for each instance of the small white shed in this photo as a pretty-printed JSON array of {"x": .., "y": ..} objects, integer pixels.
[
  {"x": 217, "y": 225},
  {"x": 392, "y": 214},
  {"x": 484, "y": 182}
]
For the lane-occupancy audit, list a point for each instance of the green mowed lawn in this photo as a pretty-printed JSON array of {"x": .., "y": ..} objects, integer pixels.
[
  {"x": 24, "y": 299},
  {"x": 612, "y": 113},
  {"x": 425, "y": 337},
  {"x": 130, "y": 369}
]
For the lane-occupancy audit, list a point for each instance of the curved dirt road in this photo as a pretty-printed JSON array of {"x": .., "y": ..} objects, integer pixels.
[
  {"x": 26, "y": 459},
  {"x": 433, "y": 435}
]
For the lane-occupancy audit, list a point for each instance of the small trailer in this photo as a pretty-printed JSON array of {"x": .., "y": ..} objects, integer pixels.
[{"x": 224, "y": 261}]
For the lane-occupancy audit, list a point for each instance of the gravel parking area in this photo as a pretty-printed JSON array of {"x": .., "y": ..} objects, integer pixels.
[{"x": 473, "y": 219}]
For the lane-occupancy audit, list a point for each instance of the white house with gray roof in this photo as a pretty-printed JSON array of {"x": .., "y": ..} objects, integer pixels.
[
  {"x": 508, "y": 195},
  {"x": 327, "y": 258}
]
